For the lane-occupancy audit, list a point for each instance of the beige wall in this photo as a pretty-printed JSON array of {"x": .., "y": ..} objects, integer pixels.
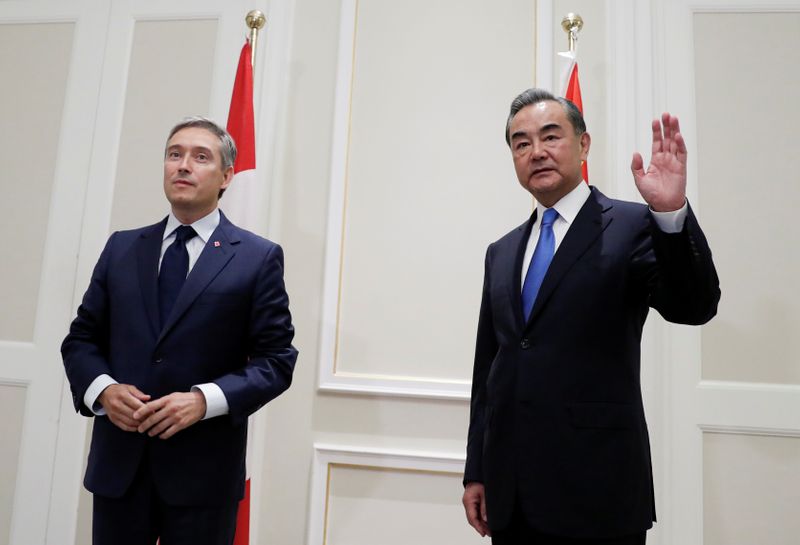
[
  {"x": 752, "y": 489},
  {"x": 749, "y": 189},
  {"x": 406, "y": 507},
  {"x": 428, "y": 185},
  {"x": 162, "y": 88},
  {"x": 31, "y": 108}
]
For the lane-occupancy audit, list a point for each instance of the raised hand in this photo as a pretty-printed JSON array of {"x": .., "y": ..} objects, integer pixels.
[{"x": 663, "y": 184}]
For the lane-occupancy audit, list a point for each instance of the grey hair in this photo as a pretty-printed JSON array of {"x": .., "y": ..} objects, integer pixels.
[
  {"x": 227, "y": 146},
  {"x": 534, "y": 96}
]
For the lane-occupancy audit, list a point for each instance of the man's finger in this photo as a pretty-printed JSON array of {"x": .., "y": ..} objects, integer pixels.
[
  {"x": 160, "y": 428},
  {"x": 121, "y": 425},
  {"x": 138, "y": 394},
  {"x": 146, "y": 409},
  {"x": 657, "y": 137},
  {"x": 151, "y": 420},
  {"x": 130, "y": 402},
  {"x": 172, "y": 430},
  {"x": 667, "y": 127}
]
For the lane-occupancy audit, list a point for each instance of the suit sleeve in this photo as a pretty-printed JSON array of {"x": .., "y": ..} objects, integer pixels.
[
  {"x": 271, "y": 356},
  {"x": 485, "y": 350},
  {"x": 85, "y": 349},
  {"x": 683, "y": 286}
]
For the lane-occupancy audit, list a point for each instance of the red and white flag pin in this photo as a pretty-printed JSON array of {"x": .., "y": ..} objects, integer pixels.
[{"x": 216, "y": 244}]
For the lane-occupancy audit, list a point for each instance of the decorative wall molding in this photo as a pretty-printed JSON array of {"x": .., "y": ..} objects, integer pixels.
[
  {"x": 749, "y": 408},
  {"x": 329, "y": 378},
  {"x": 327, "y": 456}
]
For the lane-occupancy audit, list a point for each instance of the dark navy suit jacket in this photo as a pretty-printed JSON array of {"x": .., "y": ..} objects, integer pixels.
[
  {"x": 557, "y": 421},
  {"x": 230, "y": 325}
]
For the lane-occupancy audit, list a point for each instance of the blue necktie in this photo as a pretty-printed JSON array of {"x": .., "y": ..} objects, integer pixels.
[
  {"x": 174, "y": 268},
  {"x": 542, "y": 256}
]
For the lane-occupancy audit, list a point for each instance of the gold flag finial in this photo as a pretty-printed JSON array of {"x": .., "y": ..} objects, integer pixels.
[
  {"x": 572, "y": 23},
  {"x": 255, "y": 20}
]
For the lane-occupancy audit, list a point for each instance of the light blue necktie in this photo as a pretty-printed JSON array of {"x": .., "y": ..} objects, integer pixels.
[{"x": 542, "y": 256}]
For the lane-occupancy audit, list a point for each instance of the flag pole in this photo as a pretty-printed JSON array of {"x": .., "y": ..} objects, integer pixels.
[
  {"x": 255, "y": 20},
  {"x": 572, "y": 23}
]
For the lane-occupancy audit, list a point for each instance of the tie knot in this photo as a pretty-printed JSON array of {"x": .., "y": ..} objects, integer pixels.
[
  {"x": 184, "y": 233},
  {"x": 550, "y": 215}
]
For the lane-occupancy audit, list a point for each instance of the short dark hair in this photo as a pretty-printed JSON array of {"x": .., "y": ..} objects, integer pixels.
[
  {"x": 535, "y": 96},
  {"x": 227, "y": 146}
]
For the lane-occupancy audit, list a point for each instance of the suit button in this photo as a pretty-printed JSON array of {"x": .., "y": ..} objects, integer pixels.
[
  {"x": 525, "y": 344},
  {"x": 158, "y": 360}
]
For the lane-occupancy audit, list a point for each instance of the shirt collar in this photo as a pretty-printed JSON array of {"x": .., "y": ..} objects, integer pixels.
[
  {"x": 204, "y": 227},
  {"x": 570, "y": 204}
]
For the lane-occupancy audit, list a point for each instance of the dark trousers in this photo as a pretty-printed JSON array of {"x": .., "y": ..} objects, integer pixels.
[
  {"x": 141, "y": 517},
  {"x": 520, "y": 532}
]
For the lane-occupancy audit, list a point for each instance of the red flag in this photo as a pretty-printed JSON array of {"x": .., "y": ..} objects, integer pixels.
[
  {"x": 571, "y": 90},
  {"x": 241, "y": 126},
  {"x": 240, "y": 116}
]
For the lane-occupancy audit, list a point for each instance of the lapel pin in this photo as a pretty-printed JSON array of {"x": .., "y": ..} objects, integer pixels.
[{"x": 216, "y": 244}]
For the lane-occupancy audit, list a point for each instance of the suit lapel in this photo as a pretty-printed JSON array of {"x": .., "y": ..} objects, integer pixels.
[
  {"x": 218, "y": 251},
  {"x": 148, "y": 252},
  {"x": 590, "y": 222}
]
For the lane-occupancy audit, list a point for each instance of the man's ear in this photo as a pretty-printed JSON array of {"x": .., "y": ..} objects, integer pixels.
[
  {"x": 228, "y": 178},
  {"x": 586, "y": 142}
]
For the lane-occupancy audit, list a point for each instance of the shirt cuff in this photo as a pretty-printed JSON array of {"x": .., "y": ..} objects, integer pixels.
[
  {"x": 216, "y": 403},
  {"x": 93, "y": 392},
  {"x": 671, "y": 222}
]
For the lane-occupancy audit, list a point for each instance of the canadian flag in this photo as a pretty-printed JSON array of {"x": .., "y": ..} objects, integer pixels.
[
  {"x": 570, "y": 88},
  {"x": 242, "y": 205}
]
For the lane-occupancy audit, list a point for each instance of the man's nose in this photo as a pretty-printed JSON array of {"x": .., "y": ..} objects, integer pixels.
[
  {"x": 184, "y": 164},
  {"x": 537, "y": 150}
]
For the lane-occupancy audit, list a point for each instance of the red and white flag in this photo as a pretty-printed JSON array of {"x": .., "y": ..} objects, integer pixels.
[
  {"x": 242, "y": 198},
  {"x": 570, "y": 88},
  {"x": 242, "y": 205}
]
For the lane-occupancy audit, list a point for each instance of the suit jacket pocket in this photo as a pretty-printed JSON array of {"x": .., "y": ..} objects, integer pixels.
[{"x": 602, "y": 415}]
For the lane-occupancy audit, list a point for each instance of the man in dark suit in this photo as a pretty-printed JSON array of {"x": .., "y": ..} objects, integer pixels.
[
  {"x": 558, "y": 451},
  {"x": 183, "y": 333}
]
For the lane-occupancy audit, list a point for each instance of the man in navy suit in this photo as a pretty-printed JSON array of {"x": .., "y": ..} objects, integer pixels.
[
  {"x": 183, "y": 333},
  {"x": 558, "y": 450}
]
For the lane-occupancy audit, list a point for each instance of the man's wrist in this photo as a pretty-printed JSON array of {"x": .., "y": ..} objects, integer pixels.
[
  {"x": 215, "y": 402},
  {"x": 671, "y": 222},
  {"x": 91, "y": 398}
]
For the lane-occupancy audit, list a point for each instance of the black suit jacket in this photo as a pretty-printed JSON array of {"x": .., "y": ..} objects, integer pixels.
[
  {"x": 230, "y": 325},
  {"x": 557, "y": 421}
]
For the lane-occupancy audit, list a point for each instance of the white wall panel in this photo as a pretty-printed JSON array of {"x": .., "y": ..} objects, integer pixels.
[
  {"x": 364, "y": 495},
  {"x": 169, "y": 78},
  {"x": 421, "y": 182},
  {"x": 12, "y": 407},
  {"x": 34, "y": 61},
  {"x": 747, "y": 89},
  {"x": 48, "y": 105},
  {"x": 751, "y": 489},
  {"x": 408, "y": 507},
  {"x": 726, "y": 377}
]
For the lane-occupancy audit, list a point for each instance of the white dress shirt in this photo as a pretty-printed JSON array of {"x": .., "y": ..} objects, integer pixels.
[
  {"x": 568, "y": 208},
  {"x": 216, "y": 403}
]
